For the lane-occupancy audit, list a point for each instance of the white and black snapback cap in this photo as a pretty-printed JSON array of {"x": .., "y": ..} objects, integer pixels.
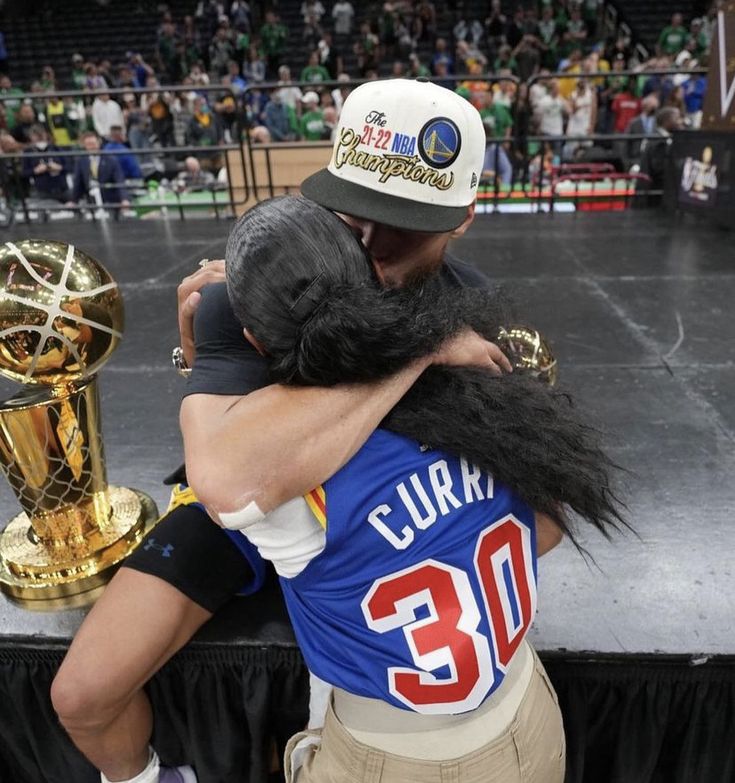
[{"x": 407, "y": 154}]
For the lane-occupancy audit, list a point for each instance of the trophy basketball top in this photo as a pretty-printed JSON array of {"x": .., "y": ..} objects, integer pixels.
[{"x": 61, "y": 313}]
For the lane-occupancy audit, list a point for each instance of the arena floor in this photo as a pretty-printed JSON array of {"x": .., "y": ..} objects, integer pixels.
[{"x": 638, "y": 308}]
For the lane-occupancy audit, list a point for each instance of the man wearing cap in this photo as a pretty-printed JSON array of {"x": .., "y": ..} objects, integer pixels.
[
  {"x": 311, "y": 124},
  {"x": 404, "y": 172}
]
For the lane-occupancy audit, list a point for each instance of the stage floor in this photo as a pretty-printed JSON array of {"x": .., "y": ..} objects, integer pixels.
[{"x": 638, "y": 308}]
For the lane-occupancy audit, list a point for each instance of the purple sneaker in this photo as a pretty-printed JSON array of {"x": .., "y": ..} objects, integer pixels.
[{"x": 177, "y": 775}]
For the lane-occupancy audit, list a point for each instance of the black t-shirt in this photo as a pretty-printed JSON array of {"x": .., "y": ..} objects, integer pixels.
[{"x": 227, "y": 364}]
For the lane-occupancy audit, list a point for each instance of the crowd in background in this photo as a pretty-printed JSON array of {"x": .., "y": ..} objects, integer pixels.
[{"x": 224, "y": 52}]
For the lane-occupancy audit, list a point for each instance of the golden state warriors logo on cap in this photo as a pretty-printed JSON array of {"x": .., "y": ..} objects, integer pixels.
[{"x": 439, "y": 142}]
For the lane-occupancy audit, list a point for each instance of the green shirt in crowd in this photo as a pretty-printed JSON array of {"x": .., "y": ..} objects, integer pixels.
[
  {"x": 11, "y": 105},
  {"x": 312, "y": 125},
  {"x": 315, "y": 73},
  {"x": 672, "y": 39},
  {"x": 273, "y": 38},
  {"x": 497, "y": 120}
]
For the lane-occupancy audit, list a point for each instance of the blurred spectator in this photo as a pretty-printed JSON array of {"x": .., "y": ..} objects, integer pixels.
[
  {"x": 194, "y": 178},
  {"x": 573, "y": 66},
  {"x": 582, "y": 116},
  {"x": 698, "y": 38},
  {"x": 93, "y": 80},
  {"x": 672, "y": 38},
  {"x": 125, "y": 78},
  {"x": 441, "y": 72},
  {"x": 198, "y": 76},
  {"x": 280, "y": 119},
  {"x": 398, "y": 70},
  {"x": 192, "y": 39},
  {"x": 312, "y": 10},
  {"x": 496, "y": 118},
  {"x": 506, "y": 60},
  {"x": 495, "y": 25},
  {"x": 158, "y": 107},
  {"x": 221, "y": 51},
  {"x": 48, "y": 79},
  {"x": 469, "y": 32},
  {"x": 496, "y": 166},
  {"x": 240, "y": 15},
  {"x": 105, "y": 114},
  {"x": 166, "y": 51},
  {"x": 290, "y": 94},
  {"x": 654, "y": 152},
  {"x": 128, "y": 162},
  {"x": 330, "y": 122},
  {"x": 415, "y": 68},
  {"x": 136, "y": 123},
  {"x": 468, "y": 55},
  {"x": 329, "y": 55},
  {"x": 576, "y": 31},
  {"x": 551, "y": 110},
  {"x": 314, "y": 70},
  {"x": 339, "y": 94},
  {"x": 204, "y": 129},
  {"x": 94, "y": 171},
  {"x": 515, "y": 28},
  {"x": 504, "y": 90},
  {"x": 209, "y": 12},
  {"x": 25, "y": 119},
  {"x": 273, "y": 37},
  {"x": 78, "y": 74},
  {"x": 709, "y": 22},
  {"x": 311, "y": 33},
  {"x": 425, "y": 21},
  {"x": 46, "y": 172},
  {"x": 254, "y": 68},
  {"x": 12, "y": 105},
  {"x": 225, "y": 109},
  {"x": 141, "y": 70},
  {"x": 366, "y": 49},
  {"x": 695, "y": 88},
  {"x": 625, "y": 106},
  {"x": 311, "y": 124},
  {"x": 548, "y": 31},
  {"x": 644, "y": 123},
  {"x": 441, "y": 56},
  {"x": 237, "y": 83},
  {"x": 675, "y": 99},
  {"x": 64, "y": 129},
  {"x": 343, "y": 14},
  {"x": 527, "y": 57}
]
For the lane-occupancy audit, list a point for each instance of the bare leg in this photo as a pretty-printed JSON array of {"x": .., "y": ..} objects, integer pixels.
[{"x": 134, "y": 628}]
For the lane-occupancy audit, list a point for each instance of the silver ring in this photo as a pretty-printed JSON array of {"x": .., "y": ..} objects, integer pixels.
[{"x": 204, "y": 263}]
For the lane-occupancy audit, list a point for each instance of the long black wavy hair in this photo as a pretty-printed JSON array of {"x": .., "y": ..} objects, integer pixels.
[{"x": 303, "y": 286}]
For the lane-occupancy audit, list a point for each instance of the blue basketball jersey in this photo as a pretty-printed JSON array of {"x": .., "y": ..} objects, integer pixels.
[{"x": 427, "y": 582}]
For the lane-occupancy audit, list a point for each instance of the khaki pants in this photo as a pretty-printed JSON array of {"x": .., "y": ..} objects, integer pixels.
[{"x": 531, "y": 750}]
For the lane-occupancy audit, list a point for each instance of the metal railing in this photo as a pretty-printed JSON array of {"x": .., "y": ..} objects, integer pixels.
[
  {"x": 243, "y": 147},
  {"x": 13, "y": 182}
]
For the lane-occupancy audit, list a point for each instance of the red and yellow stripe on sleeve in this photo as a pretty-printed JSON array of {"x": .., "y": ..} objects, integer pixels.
[{"x": 317, "y": 501}]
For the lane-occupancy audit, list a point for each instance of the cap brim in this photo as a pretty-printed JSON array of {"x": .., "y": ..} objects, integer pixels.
[{"x": 361, "y": 202}]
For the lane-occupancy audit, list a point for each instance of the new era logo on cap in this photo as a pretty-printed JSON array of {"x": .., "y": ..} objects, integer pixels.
[{"x": 407, "y": 154}]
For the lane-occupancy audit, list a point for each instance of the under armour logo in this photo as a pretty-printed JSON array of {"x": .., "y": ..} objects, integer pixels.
[{"x": 164, "y": 550}]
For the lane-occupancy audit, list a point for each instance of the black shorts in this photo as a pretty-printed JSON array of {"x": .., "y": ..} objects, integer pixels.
[{"x": 190, "y": 552}]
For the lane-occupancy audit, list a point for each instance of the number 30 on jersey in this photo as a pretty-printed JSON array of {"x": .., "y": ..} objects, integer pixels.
[{"x": 449, "y": 637}]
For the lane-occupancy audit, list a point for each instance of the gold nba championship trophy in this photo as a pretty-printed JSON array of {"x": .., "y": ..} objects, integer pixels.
[
  {"x": 61, "y": 316},
  {"x": 528, "y": 351}
]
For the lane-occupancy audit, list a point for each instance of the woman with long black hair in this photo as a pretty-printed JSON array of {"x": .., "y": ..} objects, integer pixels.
[{"x": 410, "y": 575}]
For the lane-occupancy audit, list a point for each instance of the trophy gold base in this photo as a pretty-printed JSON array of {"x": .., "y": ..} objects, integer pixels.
[{"x": 30, "y": 571}]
